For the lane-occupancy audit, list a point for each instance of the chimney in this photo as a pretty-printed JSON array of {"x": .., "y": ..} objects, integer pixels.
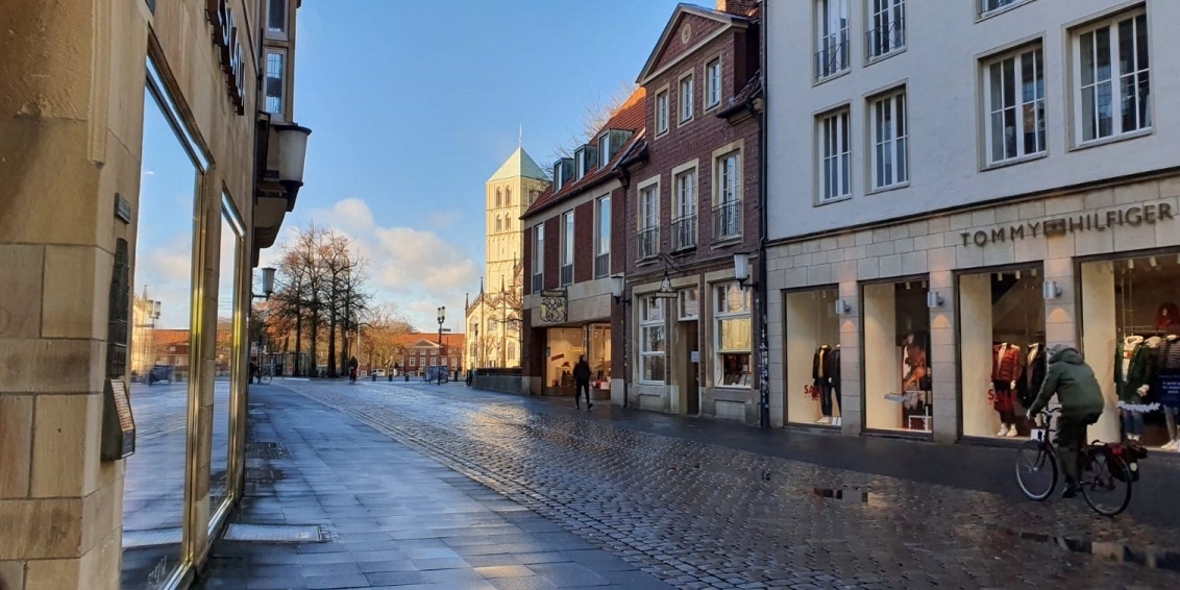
[{"x": 739, "y": 7}]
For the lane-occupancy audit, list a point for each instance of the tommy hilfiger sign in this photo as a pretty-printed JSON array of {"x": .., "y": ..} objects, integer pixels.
[
  {"x": 1129, "y": 216},
  {"x": 229, "y": 46}
]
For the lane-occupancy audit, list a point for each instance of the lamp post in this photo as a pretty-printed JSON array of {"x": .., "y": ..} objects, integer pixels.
[
  {"x": 618, "y": 288},
  {"x": 442, "y": 317}
]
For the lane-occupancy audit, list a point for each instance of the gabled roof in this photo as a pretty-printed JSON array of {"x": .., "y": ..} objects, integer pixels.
[
  {"x": 428, "y": 340},
  {"x": 631, "y": 116},
  {"x": 670, "y": 29},
  {"x": 519, "y": 164}
]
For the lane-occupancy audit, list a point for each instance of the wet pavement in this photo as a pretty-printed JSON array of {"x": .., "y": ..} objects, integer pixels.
[{"x": 701, "y": 504}]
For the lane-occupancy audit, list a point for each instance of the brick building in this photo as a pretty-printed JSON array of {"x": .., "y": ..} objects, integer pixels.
[
  {"x": 422, "y": 350},
  {"x": 692, "y": 204},
  {"x": 572, "y": 248}
]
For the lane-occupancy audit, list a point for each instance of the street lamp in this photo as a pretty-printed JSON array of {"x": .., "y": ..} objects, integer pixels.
[
  {"x": 268, "y": 284},
  {"x": 442, "y": 317}
]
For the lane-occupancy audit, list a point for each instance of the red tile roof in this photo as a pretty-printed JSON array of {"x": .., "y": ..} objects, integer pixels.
[{"x": 631, "y": 116}]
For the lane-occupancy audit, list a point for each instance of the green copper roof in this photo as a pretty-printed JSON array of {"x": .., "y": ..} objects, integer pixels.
[{"x": 519, "y": 164}]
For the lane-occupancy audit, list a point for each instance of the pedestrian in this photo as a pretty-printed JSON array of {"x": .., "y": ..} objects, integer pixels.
[
  {"x": 1080, "y": 396},
  {"x": 582, "y": 382}
]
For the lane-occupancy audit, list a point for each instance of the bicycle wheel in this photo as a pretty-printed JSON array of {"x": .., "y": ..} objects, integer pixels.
[
  {"x": 1036, "y": 470},
  {"x": 264, "y": 379},
  {"x": 1106, "y": 484}
]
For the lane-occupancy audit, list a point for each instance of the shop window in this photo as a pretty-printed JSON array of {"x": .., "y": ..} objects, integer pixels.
[
  {"x": 600, "y": 356},
  {"x": 731, "y": 316},
  {"x": 652, "y": 340},
  {"x": 896, "y": 338},
  {"x": 812, "y": 348},
  {"x": 690, "y": 304},
  {"x": 565, "y": 346},
  {"x": 1001, "y": 349},
  {"x": 227, "y": 368},
  {"x": 1131, "y": 328}
]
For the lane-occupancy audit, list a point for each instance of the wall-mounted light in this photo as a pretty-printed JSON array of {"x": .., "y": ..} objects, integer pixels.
[
  {"x": 1051, "y": 290},
  {"x": 933, "y": 299},
  {"x": 618, "y": 286},
  {"x": 842, "y": 307},
  {"x": 741, "y": 270},
  {"x": 268, "y": 283}
]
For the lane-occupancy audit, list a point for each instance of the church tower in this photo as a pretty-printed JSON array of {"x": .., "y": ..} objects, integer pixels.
[{"x": 493, "y": 318}]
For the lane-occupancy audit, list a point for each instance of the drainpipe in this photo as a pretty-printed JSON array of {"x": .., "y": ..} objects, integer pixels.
[
  {"x": 625, "y": 183},
  {"x": 763, "y": 197}
]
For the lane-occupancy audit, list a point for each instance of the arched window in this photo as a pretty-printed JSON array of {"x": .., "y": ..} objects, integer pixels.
[
  {"x": 497, "y": 221},
  {"x": 498, "y": 197},
  {"x": 508, "y": 199},
  {"x": 511, "y": 351}
]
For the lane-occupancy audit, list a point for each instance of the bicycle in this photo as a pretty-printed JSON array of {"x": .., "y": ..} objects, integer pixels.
[
  {"x": 1106, "y": 471},
  {"x": 263, "y": 375}
]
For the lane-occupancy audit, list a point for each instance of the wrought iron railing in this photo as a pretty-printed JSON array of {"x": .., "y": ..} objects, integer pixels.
[
  {"x": 649, "y": 242},
  {"x": 832, "y": 59},
  {"x": 684, "y": 232},
  {"x": 885, "y": 38},
  {"x": 727, "y": 219}
]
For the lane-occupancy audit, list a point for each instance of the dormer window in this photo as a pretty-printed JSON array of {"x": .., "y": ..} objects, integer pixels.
[
  {"x": 604, "y": 153},
  {"x": 580, "y": 163},
  {"x": 557, "y": 179}
]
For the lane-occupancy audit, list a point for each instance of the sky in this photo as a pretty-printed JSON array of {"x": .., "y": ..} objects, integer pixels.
[{"x": 413, "y": 105}]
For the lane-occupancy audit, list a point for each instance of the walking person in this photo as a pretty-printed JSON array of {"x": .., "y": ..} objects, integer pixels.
[
  {"x": 582, "y": 382},
  {"x": 1080, "y": 396}
]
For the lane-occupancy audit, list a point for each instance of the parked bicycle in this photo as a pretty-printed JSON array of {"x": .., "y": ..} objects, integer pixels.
[
  {"x": 263, "y": 375},
  {"x": 1107, "y": 470}
]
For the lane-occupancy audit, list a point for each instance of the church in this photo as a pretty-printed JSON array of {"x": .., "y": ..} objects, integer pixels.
[{"x": 494, "y": 316}]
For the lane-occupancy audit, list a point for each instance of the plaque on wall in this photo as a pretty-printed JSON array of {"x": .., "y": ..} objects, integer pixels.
[
  {"x": 553, "y": 306},
  {"x": 118, "y": 424}
]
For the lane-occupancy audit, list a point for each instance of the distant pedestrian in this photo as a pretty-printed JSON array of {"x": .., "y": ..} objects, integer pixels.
[{"x": 582, "y": 382}]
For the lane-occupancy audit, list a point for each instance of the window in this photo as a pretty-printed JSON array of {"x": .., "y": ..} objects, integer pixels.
[
  {"x": 686, "y": 98},
  {"x": 604, "y": 154},
  {"x": 1112, "y": 57},
  {"x": 713, "y": 79},
  {"x": 580, "y": 162},
  {"x": 567, "y": 248},
  {"x": 731, "y": 318},
  {"x": 538, "y": 258},
  {"x": 727, "y": 211},
  {"x": 684, "y": 226},
  {"x": 690, "y": 304},
  {"x": 557, "y": 176},
  {"x": 831, "y": 55},
  {"x": 1014, "y": 88},
  {"x": 890, "y": 157},
  {"x": 275, "y": 87},
  {"x": 508, "y": 196},
  {"x": 662, "y": 112},
  {"x": 888, "y": 27},
  {"x": 602, "y": 238},
  {"x": 986, "y": 6},
  {"x": 511, "y": 351},
  {"x": 497, "y": 224},
  {"x": 413, "y": 361},
  {"x": 276, "y": 17},
  {"x": 649, "y": 219},
  {"x": 499, "y": 197},
  {"x": 652, "y": 343},
  {"x": 835, "y": 174}
]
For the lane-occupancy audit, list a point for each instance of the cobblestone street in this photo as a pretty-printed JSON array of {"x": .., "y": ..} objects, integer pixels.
[{"x": 699, "y": 515}]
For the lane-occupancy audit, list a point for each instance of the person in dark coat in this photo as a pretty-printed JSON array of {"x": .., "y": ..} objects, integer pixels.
[
  {"x": 582, "y": 382},
  {"x": 1076, "y": 388}
]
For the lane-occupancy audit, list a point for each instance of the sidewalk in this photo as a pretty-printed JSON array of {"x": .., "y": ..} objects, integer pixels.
[{"x": 389, "y": 516}]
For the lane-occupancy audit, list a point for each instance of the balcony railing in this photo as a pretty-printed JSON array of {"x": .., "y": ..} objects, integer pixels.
[
  {"x": 567, "y": 274},
  {"x": 886, "y": 38},
  {"x": 684, "y": 232},
  {"x": 602, "y": 265},
  {"x": 538, "y": 282},
  {"x": 649, "y": 242},
  {"x": 727, "y": 219},
  {"x": 832, "y": 59}
]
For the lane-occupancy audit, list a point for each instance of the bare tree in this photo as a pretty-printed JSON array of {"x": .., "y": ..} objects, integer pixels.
[
  {"x": 596, "y": 113},
  {"x": 384, "y": 340}
]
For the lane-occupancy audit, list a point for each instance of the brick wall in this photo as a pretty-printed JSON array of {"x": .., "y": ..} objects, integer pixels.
[
  {"x": 553, "y": 252},
  {"x": 527, "y": 253},
  {"x": 584, "y": 242}
]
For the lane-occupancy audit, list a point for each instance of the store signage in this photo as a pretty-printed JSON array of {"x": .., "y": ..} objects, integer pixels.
[
  {"x": 226, "y": 39},
  {"x": 1135, "y": 216},
  {"x": 553, "y": 306}
]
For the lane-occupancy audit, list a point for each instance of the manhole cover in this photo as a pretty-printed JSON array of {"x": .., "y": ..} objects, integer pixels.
[
  {"x": 152, "y": 538},
  {"x": 272, "y": 533}
]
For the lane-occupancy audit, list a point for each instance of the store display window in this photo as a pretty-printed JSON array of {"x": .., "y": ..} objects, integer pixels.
[
  {"x": 1001, "y": 349},
  {"x": 652, "y": 340},
  {"x": 731, "y": 313},
  {"x": 600, "y": 355},
  {"x": 812, "y": 348},
  {"x": 1131, "y": 327},
  {"x": 898, "y": 383},
  {"x": 565, "y": 346}
]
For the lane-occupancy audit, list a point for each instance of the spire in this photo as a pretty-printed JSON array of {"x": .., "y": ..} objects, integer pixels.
[
  {"x": 481, "y": 285},
  {"x": 520, "y": 142},
  {"x": 519, "y": 165}
]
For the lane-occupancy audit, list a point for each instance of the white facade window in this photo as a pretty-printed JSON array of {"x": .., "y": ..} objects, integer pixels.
[
  {"x": 690, "y": 304},
  {"x": 887, "y": 27},
  {"x": 831, "y": 55},
  {"x": 602, "y": 237},
  {"x": 276, "y": 87},
  {"x": 652, "y": 342},
  {"x": 890, "y": 142},
  {"x": 662, "y": 112},
  {"x": 727, "y": 209},
  {"x": 413, "y": 361},
  {"x": 538, "y": 258},
  {"x": 567, "y": 248},
  {"x": 557, "y": 176},
  {"x": 986, "y": 6},
  {"x": 713, "y": 79},
  {"x": 686, "y": 98},
  {"x": 580, "y": 163},
  {"x": 649, "y": 220},
  {"x": 1014, "y": 89},
  {"x": 276, "y": 17},
  {"x": 1111, "y": 67},
  {"x": 835, "y": 166},
  {"x": 604, "y": 149},
  {"x": 684, "y": 224},
  {"x": 732, "y": 350}
]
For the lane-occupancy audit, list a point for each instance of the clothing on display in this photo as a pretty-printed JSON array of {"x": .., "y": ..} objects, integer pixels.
[
  {"x": 1007, "y": 369},
  {"x": 825, "y": 375},
  {"x": 1034, "y": 374}
]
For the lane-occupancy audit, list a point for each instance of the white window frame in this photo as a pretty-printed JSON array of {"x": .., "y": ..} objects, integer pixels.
[
  {"x": 1023, "y": 106},
  {"x": 662, "y": 112},
  {"x": 579, "y": 164},
  {"x": 990, "y": 7},
  {"x": 834, "y": 148},
  {"x": 539, "y": 255},
  {"x": 278, "y": 32},
  {"x": 889, "y": 133},
  {"x": 832, "y": 38},
  {"x": 568, "y": 235},
  {"x": 602, "y": 225},
  {"x": 713, "y": 83},
  {"x": 604, "y": 149},
  {"x": 413, "y": 361},
  {"x": 688, "y": 313},
  {"x": 282, "y": 97},
  {"x": 686, "y": 199},
  {"x": 557, "y": 176},
  {"x": 649, "y": 213},
  {"x": 1115, "y": 80},
  {"x": 721, "y": 314},
  {"x": 648, "y": 321},
  {"x": 887, "y": 34},
  {"x": 729, "y": 182},
  {"x": 687, "y": 98}
]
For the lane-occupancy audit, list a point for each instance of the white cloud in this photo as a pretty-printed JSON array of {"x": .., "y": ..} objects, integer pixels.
[{"x": 444, "y": 218}]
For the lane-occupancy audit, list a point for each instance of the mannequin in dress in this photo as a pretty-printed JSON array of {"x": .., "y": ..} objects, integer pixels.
[{"x": 1007, "y": 369}]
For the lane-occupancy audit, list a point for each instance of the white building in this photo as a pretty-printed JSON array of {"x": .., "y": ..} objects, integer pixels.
[{"x": 952, "y": 180}]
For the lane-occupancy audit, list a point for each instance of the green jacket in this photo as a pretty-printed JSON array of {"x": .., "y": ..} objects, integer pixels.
[{"x": 1074, "y": 384}]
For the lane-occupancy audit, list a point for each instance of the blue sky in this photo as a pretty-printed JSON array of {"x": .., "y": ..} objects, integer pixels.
[{"x": 414, "y": 104}]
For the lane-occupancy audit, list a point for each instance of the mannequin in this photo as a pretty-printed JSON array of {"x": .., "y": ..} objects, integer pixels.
[
  {"x": 833, "y": 372},
  {"x": 820, "y": 365},
  {"x": 1007, "y": 369},
  {"x": 1034, "y": 374},
  {"x": 1167, "y": 382},
  {"x": 1134, "y": 369}
]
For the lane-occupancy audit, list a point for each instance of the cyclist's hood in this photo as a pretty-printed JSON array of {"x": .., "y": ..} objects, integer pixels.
[{"x": 1066, "y": 354}]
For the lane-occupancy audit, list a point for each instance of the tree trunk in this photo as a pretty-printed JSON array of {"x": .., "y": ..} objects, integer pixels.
[
  {"x": 298, "y": 342},
  {"x": 332, "y": 333}
]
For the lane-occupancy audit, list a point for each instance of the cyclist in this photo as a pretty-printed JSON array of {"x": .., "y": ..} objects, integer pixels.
[
  {"x": 352, "y": 367},
  {"x": 1076, "y": 388}
]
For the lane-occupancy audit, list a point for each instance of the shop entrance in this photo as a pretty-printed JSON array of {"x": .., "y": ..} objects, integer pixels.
[{"x": 692, "y": 373}]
